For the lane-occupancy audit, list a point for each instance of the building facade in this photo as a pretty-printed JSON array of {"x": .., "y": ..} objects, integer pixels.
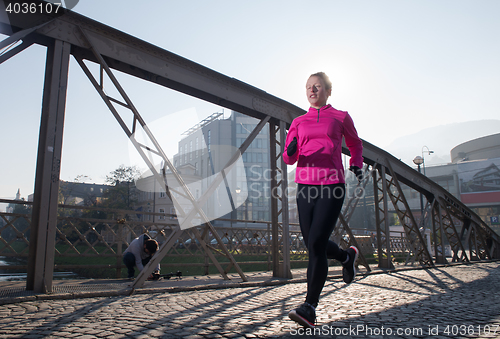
[
  {"x": 203, "y": 153},
  {"x": 472, "y": 176}
]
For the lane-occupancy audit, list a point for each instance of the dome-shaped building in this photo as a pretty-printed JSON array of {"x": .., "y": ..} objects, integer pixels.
[
  {"x": 487, "y": 147},
  {"x": 473, "y": 176}
]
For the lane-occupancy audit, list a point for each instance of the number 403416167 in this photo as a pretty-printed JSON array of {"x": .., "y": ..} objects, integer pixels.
[{"x": 33, "y": 8}]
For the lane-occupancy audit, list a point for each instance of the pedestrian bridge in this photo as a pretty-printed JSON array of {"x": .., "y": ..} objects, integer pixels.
[{"x": 101, "y": 51}]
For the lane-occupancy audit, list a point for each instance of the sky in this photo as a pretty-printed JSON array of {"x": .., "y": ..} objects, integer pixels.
[{"x": 398, "y": 67}]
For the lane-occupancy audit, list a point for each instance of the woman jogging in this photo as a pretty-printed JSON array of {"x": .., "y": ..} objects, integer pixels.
[{"x": 314, "y": 140}]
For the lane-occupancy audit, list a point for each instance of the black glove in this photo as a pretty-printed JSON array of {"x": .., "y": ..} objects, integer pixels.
[
  {"x": 154, "y": 276},
  {"x": 292, "y": 147},
  {"x": 357, "y": 172}
]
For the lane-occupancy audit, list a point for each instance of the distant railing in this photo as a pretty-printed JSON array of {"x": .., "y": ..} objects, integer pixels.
[{"x": 90, "y": 241}]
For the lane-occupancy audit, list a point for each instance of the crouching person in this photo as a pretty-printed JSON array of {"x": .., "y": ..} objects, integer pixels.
[{"x": 139, "y": 253}]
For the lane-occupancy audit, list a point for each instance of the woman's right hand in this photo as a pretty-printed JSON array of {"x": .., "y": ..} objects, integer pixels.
[
  {"x": 357, "y": 172},
  {"x": 292, "y": 147}
]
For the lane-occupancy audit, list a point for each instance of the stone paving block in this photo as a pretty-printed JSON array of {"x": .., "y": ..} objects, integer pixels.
[
  {"x": 454, "y": 295},
  {"x": 105, "y": 334},
  {"x": 142, "y": 336}
]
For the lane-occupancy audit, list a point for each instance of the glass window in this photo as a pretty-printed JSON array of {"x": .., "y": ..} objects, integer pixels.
[{"x": 209, "y": 137}]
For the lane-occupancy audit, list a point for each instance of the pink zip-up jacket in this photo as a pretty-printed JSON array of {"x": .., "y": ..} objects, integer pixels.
[{"x": 319, "y": 146}]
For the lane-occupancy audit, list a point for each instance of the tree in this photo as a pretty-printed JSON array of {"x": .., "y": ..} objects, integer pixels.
[
  {"x": 122, "y": 194},
  {"x": 123, "y": 175}
]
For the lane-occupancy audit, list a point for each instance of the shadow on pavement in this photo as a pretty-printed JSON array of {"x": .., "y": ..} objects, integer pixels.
[{"x": 416, "y": 303}]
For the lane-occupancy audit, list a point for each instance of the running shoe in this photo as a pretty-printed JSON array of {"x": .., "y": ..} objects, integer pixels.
[
  {"x": 305, "y": 315},
  {"x": 349, "y": 268}
]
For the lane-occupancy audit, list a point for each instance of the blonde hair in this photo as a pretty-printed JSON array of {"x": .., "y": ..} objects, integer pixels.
[{"x": 325, "y": 78}]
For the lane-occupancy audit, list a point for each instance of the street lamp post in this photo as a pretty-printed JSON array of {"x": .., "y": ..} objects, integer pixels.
[
  {"x": 429, "y": 152},
  {"x": 419, "y": 161},
  {"x": 238, "y": 191}
]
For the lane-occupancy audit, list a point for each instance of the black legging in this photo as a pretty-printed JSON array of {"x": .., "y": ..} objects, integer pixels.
[{"x": 319, "y": 207}]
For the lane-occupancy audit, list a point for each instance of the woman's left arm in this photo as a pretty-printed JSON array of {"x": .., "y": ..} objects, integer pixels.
[
  {"x": 353, "y": 142},
  {"x": 292, "y": 134}
]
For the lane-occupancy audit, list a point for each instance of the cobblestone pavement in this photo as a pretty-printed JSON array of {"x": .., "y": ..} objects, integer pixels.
[{"x": 448, "y": 302}]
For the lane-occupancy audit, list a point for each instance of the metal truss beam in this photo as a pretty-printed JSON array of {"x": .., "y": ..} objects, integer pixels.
[
  {"x": 44, "y": 218},
  {"x": 438, "y": 234},
  {"x": 283, "y": 185},
  {"x": 12, "y": 49},
  {"x": 407, "y": 219},
  {"x": 443, "y": 217},
  {"x": 477, "y": 243},
  {"x": 137, "y": 122},
  {"x": 382, "y": 218},
  {"x": 342, "y": 225},
  {"x": 279, "y": 198},
  {"x": 11, "y": 45},
  {"x": 482, "y": 239}
]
